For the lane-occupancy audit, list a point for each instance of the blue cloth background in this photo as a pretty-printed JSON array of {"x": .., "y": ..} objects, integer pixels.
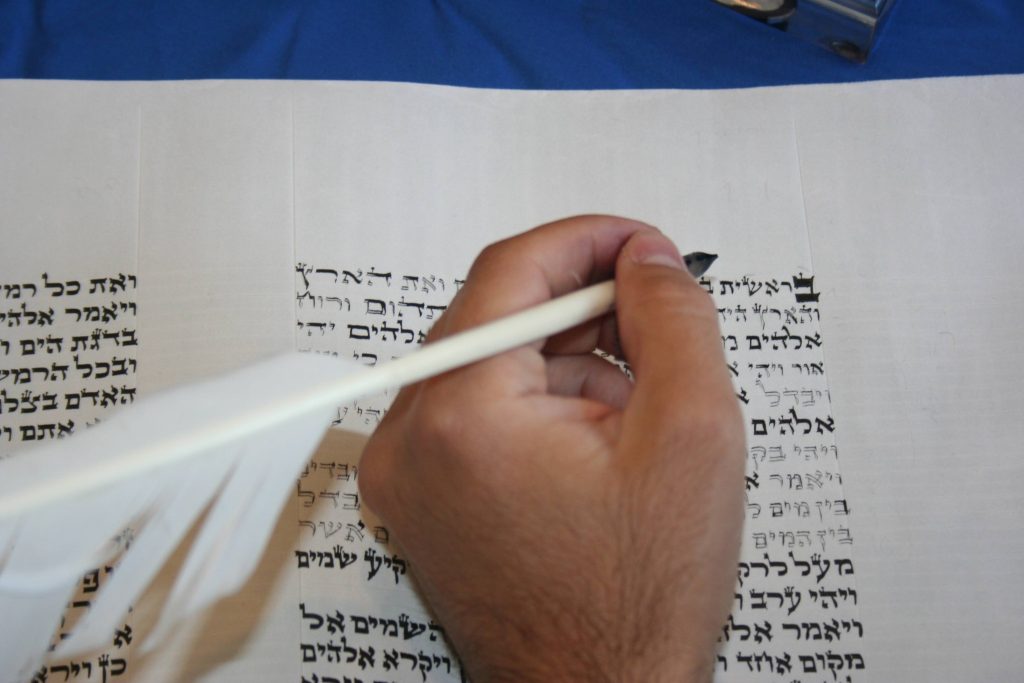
[{"x": 551, "y": 44}]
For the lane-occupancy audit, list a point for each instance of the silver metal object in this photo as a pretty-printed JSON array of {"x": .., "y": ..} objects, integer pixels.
[{"x": 847, "y": 27}]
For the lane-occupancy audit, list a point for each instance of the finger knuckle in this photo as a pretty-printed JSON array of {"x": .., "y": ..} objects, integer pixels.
[{"x": 492, "y": 257}]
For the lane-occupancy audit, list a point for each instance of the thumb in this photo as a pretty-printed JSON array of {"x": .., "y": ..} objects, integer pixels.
[{"x": 668, "y": 328}]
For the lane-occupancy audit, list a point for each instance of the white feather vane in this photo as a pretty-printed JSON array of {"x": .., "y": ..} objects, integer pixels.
[
  {"x": 226, "y": 452},
  {"x": 249, "y": 475}
]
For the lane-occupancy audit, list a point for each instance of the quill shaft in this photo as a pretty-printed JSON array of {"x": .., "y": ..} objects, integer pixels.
[{"x": 520, "y": 328}]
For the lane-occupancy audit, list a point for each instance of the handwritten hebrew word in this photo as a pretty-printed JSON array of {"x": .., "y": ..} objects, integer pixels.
[
  {"x": 760, "y": 632},
  {"x": 796, "y": 481},
  {"x": 826, "y": 630},
  {"x": 106, "y": 667},
  {"x": 99, "y": 337},
  {"x": 759, "y": 453},
  {"x": 782, "y": 663},
  {"x": 339, "y": 558},
  {"x": 784, "y": 339},
  {"x": 767, "y": 315},
  {"x": 15, "y": 317},
  {"x": 338, "y": 650},
  {"x": 790, "y": 598},
  {"x": 386, "y": 307},
  {"x": 800, "y": 508},
  {"x": 403, "y": 627},
  {"x": 335, "y": 470},
  {"x": 14, "y": 290},
  {"x": 779, "y": 568},
  {"x": 790, "y": 422},
  {"x": 48, "y": 430},
  {"x": 385, "y": 332},
  {"x": 791, "y": 538},
  {"x": 802, "y": 288},
  {"x": 104, "y": 285},
  {"x": 421, "y": 283},
  {"x": 42, "y": 345},
  {"x": 352, "y": 532},
  {"x": 103, "y": 398},
  {"x": 321, "y": 327},
  {"x": 357, "y": 276},
  {"x": 763, "y": 661},
  {"x": 831, "y": 662},
  {"x": 114, "y": 367},
  {"x": 800, "y": 397},
  {"x": 102, "y": 313},
  {"x": 349, "y": 500},
  {"x": 307, "y": 299},
  {"x": 377, "y": 561}
]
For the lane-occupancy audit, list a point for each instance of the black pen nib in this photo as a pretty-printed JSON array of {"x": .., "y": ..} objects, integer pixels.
[{"x": 698, "y": 262}]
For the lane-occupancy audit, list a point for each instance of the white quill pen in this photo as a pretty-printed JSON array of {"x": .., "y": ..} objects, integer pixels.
[{"x": 231, "y": 448}]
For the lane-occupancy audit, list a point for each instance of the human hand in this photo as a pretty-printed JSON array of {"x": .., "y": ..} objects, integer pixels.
[{"x": 563, "y": 522}]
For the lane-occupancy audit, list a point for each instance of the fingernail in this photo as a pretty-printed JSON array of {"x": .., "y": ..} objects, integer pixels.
[{"x": 653, "y": 248}]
